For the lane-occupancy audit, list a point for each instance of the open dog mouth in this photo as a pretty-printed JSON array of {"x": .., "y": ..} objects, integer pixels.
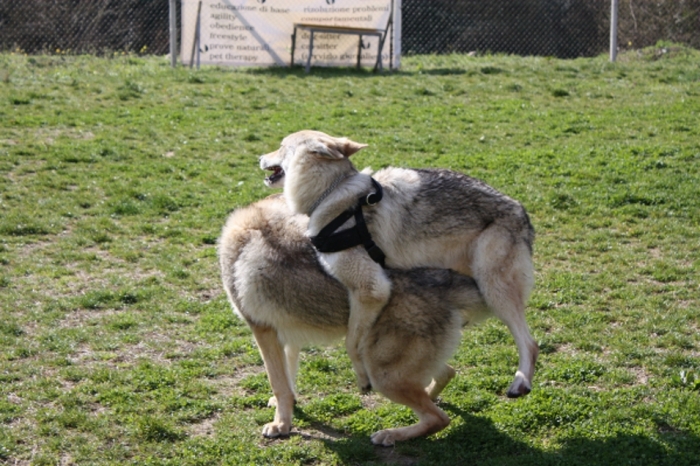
[{"x": 277, "y": 175}]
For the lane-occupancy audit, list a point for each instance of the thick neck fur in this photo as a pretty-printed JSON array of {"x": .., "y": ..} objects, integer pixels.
[{"x": 304, "y": 184}]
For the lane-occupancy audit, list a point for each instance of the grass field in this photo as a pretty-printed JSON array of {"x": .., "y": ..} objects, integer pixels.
[{"x": 117, "y": 345}]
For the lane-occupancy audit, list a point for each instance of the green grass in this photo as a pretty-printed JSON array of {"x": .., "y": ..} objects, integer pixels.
[{"x": 117, "y": 345}]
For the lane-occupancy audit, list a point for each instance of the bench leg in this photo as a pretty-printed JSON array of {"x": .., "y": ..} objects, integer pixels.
[
  {"x": 359, "y": 52},
  {"x": 378, "y": 65},
  {"x": 311, "y": 52},
  {"x": 294, "y": 41}
]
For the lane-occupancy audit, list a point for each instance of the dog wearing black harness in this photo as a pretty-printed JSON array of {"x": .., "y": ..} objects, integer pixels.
[{"x": 426, "y": 218}]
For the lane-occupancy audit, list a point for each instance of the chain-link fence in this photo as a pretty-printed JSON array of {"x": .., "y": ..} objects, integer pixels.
[
  {"x": 84, "y": 26},
  {"x": 561, "y": 28}
]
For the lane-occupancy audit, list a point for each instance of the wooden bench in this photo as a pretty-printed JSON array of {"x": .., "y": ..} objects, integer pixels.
[{"x": 314, "y": 28}]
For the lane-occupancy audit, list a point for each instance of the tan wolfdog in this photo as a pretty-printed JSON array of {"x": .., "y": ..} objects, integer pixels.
[{"x": 275, "y": 282}]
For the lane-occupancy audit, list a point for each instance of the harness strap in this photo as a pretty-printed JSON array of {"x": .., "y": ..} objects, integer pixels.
[{"x": 328, "y": 240}]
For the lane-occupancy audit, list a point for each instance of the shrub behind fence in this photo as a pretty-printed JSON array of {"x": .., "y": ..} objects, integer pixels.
[{"x": 561, "y": 28}]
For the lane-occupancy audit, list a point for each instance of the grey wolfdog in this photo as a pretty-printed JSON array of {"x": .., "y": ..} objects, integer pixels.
[
  {"x": 426, "y": 218},
  {"x": 273, "y": 279}
]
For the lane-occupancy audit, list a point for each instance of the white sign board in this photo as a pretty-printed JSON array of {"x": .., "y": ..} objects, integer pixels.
[{"x": 259, "y": 32}]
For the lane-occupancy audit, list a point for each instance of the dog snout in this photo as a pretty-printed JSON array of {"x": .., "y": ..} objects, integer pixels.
[{"x": 266, "y": 159}]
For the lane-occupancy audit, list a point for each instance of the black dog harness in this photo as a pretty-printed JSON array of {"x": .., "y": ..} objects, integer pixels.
[{"x": 328, "y": 240}]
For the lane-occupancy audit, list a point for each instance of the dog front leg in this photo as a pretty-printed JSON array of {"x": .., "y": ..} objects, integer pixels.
[
  {"x": 275, "y": 364},
  {"x": 369, "y": 290},
  {"x": 367, "y": 300},
  {"x": 353, "y": 344}
]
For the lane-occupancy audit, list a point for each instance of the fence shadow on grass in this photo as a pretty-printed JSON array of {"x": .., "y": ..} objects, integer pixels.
[
  {"x": 341, "y": 72},
  {"x": 476, "y": 441},
  {"x": 320, "y": 72}
]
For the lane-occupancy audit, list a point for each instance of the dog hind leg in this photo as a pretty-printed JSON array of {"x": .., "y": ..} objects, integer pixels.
[
  {"x": 291, "y": 353},
  {"x": 275, "y": 364},
  {"x": 527, "y": 352},
  {"x": 440, "y": 381},
  {"x": 431, "y": 419},
  {"x": 512, "y": 312},
  {"x": 504, "y": 273}
]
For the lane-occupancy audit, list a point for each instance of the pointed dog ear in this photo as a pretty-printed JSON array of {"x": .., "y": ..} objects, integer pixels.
[
  {"x": 350, "y": 147},
  {"x": 335, "y": 148}
]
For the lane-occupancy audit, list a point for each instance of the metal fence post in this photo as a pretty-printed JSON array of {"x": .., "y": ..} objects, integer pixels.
[
  {"x": 195, "y": 41},
  {"x": 613, "y": 31},
  {"x": 173, "y": 33}
]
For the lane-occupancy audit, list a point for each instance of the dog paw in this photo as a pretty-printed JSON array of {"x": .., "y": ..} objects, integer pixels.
[
  {"x": 384, "y": 438},
  {"x": 276, "y": 429},
  {"x": 363, "y": 383},
  {"x": 519, "y": 387}
]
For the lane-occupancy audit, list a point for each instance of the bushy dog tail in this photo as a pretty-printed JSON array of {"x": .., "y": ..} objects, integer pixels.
[{"x": 528, "y": 231}]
